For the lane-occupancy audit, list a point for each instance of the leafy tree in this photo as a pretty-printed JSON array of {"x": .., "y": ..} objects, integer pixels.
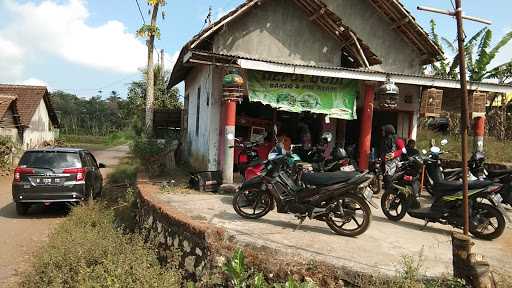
[
  {"x": 445, "y": 68},
  {"x": 478, "y": 67},
  {"x": 478, "y": 57},
  {"x": 165, "y": 99}
]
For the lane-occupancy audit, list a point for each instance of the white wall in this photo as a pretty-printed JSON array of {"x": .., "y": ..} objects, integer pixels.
[
  {"x": 202, "y": 145},
  {"x": 40, "y": 128}
]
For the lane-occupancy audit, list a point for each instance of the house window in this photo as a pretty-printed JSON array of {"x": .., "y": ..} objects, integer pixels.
[{"x": 198, "y": 109}]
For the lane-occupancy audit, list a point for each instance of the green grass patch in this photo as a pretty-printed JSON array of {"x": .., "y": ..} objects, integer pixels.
[
  {"x": 496, "y": 151},
  {"x": 92, "y": 142},
  {"x": 86, "y": 250}
]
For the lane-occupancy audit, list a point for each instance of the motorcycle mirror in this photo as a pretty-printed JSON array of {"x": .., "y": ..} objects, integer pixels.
[
  {"x": 404, "y": 150},
  {"x": 444, "y": 142},
  {"x": 424, "y": 151}
]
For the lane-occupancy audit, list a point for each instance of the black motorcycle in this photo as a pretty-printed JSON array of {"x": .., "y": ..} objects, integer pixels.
[
  {"x": 478, "y": 170},
  {"x": 338, "y": 198},
  {"x": 486, "y": 220}
]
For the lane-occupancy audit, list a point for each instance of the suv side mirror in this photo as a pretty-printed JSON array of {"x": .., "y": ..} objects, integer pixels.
[{"x": 101, "y": 165}]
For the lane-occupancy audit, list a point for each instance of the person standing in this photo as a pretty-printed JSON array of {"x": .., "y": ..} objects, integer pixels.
[{"x": 391, "y": 150}]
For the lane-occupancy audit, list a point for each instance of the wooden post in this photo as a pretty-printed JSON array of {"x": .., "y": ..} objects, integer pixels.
[
  {"x": 366, "y": 121},
  {"x": 468, "y": 266}
]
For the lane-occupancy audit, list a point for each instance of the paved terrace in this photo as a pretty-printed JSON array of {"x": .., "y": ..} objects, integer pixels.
[{"x": 379, "y": 250}]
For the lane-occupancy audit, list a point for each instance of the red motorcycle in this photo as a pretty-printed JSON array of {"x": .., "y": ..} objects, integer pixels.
[{"x": 248, "y": 161}]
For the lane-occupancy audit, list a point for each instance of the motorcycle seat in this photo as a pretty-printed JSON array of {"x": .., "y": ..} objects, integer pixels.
[
  {"x": 328, "y": 178},
  {"x": 498, "y": 173},
  {"x": 452, "y": 187}
]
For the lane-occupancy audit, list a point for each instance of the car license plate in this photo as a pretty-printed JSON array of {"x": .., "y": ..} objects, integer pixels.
[{"x": 44, "y": 181}]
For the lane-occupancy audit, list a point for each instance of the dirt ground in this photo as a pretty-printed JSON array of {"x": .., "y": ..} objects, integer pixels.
[
  {"x": 379, "y": 250},
  {"x": 20, "y": 237}
]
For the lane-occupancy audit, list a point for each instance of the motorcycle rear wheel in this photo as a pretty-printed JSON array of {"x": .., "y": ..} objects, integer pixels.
[
  {"x": 391, "y": 202},
  {"x": 487, "y": 215},
  {"x": 337, "y": 218},
  {"x": 260, "y": 202}
]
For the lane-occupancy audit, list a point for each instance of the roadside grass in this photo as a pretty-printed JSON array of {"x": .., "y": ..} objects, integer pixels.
[
  {"x": 92, "y": 142},
  {"x": 496, "y": 151},
  {"x": 87, "y": 250},
  {"x": 93, "y": 246}
]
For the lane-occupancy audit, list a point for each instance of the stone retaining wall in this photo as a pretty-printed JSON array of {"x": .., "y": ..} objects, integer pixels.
[{"x": 204, "y": 248}]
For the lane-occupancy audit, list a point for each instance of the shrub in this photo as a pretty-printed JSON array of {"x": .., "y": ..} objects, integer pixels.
[
  {"x": 123, "y": 174},
  {"x": 87, "y": 251},
  {"x": 7, "y": 148}
]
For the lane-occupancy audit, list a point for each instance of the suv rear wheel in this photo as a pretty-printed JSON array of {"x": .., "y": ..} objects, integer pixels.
[{"x": 22, "y": 208}]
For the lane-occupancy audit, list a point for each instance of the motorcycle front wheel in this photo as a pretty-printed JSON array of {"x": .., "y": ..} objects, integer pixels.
[
  {"x": 252, "y": 203},
  {"x": 349, "y": 215},
  {"x": 487, "y": 222},
  {"x": 394, "y": 205}
]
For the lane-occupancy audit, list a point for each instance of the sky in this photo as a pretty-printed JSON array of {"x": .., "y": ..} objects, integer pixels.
[{"x": 83, "y": 47}]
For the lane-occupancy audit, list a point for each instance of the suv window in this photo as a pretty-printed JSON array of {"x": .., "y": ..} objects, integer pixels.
[
  {"x": 50, "y": 159},
  {"x": 90, "y": 160}
]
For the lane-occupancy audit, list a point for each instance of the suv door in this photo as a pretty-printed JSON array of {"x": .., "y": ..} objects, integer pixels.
[{"x": 98, "y": 178}]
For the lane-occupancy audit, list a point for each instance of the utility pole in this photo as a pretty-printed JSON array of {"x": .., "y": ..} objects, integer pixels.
[
  {"x": 464, "y": 100},
  {"x": 150, "y": 87}
]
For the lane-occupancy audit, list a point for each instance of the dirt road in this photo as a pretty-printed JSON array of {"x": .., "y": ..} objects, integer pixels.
[{"x": 20, "y": 237}]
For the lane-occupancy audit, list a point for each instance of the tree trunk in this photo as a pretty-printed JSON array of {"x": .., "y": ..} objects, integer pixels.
[
  {"x": 150, "y": 88},
  {"x": 468, "y": 266}
]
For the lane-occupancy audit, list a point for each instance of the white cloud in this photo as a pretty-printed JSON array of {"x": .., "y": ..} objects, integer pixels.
[
  {"x": 61, "y": 30},
  {"x": 11, "y": 55},
  {"x": 34, "y": 82}
]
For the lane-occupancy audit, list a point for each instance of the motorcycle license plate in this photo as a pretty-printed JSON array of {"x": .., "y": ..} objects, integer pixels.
[
  {"x": 497, "y": 198},
  {"x": 368, "y": 193},
  {"x": 348, "y": 168}
]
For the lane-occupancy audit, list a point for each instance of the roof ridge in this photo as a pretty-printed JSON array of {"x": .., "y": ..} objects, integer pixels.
[{"x": 23, "y": 86}]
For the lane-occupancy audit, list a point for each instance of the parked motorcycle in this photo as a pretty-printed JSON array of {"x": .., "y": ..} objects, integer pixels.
[
  {"x": 479, "y": 171},
  {"x": 339, "y": 159},
  {"x": 249, "y": 163},
  {"x": 338, "y": 198},
  {"x": 486, "y": 221}
]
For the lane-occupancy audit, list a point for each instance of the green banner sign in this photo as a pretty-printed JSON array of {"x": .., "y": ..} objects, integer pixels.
[{"x": 335, "y": 97}]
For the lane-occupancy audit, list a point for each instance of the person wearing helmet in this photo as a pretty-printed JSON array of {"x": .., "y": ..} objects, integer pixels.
[{"x": 391, "y": 150}]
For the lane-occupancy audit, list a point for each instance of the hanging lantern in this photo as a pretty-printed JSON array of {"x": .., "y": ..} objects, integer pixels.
[
  {"x": 387, "y": 95},
  {"x": 232, "y": 83}
]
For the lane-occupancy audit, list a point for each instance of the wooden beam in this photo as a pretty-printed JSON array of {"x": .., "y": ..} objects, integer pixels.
[
  {"x": 360, "y": 50},
  {"x": 402, "y": 22}
]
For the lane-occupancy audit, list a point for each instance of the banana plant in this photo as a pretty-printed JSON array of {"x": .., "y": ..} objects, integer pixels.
[{"x": 479, "y": 56}]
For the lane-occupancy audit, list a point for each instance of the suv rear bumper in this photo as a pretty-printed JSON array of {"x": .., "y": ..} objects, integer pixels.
[{"x": 34, "y": 195}]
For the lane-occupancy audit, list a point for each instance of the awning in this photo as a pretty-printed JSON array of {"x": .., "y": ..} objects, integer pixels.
[
  {"x": 368, "y": 75},
  {"x": 334, "y": 97}
]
